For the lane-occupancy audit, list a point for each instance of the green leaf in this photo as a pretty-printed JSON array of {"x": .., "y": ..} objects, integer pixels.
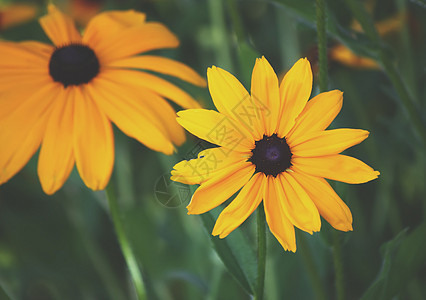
[
  {"x": 403, "y": 258},
  {"x": 235, "y": 253},
  {"x": 3, "y": 293},
  {"x": 376, "y": 290}
]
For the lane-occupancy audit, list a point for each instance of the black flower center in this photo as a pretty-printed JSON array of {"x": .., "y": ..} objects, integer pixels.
[
  {"x": 73, "y": 64},
  {"x": 271, "y": 155}
]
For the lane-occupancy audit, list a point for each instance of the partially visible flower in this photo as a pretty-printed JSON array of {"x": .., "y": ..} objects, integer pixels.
[
  {"x": 273, "y": 148},
  {"x": 386, "y": 26},
  {"x": 65, "y": 97},
  {"x": 15, "y": 14},
  {"x": 345, "y": 56}
]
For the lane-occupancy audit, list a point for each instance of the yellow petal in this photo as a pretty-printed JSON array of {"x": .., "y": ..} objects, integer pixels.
[
  {"x": 13, "y": 95},
  {"x": 59, "y": 27},
  {"x": 207, "y": 165},
  {"x": 161, "y": 65},
  {"x": 150, "y": 107},
  {"x": 56, "y": 158},
  {"x": 220, "y": 188},
  {"x": 216, "y": 128},
  {"x": 131, "y": 41},
  {"x": 135, "y": 79},
  {"x": 247, "y": 200},
  {"x": 22, "y": 130},
  {"x": 345, "y": 56},
  {"x": 336, "y": 167},
  {"x": 278, "y": 223},
  {"x": 329, "y": 204},
  {"x": 232, "y": 99},
  {"x": 163, "y": 113},
  {"x": 300, "y": 209},
  {"x": 93, "y": 142},
  {"x": 110, "y": 23},
  {"x": 130, "y": 115},
  {"x": 295, "y": 90},
  {"x": 318, "y": 114},
  {"x": 327, "y": 142},
  {"x": 29, "y": 56},
  {"x": 264, "y": 88}
]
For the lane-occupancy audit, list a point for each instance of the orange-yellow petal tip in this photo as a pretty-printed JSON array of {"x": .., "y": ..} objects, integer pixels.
[
  {"x": 191, "y": 210},
  {"x": 50, "y": 190},
  {"x": 51, "y": 8}
]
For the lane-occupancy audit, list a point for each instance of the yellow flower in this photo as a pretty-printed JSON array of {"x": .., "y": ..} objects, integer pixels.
[
  {"x": 345, "y": 56},
  {"x": 274, "y": 147},
  {"x": 65, "y": 97}
]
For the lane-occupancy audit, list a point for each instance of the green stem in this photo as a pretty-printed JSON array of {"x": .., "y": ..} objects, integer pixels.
[
  {"x": 322, "y": 44},
  {"x": 313, "y": 275},
  {"x": 338, "y": 266},
  {"x": 220, "y": 40},
  {"x": 261, "y": 252},
  {"x": 128, "y": 254},
  {"x": 322, "y": 53}
]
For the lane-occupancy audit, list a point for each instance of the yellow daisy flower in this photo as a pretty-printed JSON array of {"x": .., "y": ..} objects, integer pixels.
[
  {"x": 65, "y": 97},
  {"x": 274, "y": 147}
]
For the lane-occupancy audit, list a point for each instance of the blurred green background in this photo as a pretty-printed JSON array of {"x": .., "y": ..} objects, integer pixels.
[{"x": 64, "y": 246}]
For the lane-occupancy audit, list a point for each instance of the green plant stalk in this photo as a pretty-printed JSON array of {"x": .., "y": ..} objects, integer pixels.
[
  {"x": 311, "y": 268},
  {"x": 322, "y": 44},
  {"x": 323, "y": 76},
  {"x": 128, "y": 254},
  {"x": 99, "y": 261},
  {"x": 261, "y": 252},
  {"x": 338, "y": 266},
  {"x": 220, "y": 41},
  {"x": 409, "y": 104}
]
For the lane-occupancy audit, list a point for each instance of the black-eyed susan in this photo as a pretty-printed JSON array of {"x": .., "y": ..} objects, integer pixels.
[
  {"x": 274, "y": 147},
  {"x": 65, "y": 96}
]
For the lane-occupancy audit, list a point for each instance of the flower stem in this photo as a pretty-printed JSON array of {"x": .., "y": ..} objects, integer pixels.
[
  {"x": 128, "y": 254},
  {"x": 322, "y": 44},
  {"x": 338, "y": 266},
  {"x": 323, "y": 76},
  {"x": 261, "y": 252},
  {"x": 311, "y": 268}
]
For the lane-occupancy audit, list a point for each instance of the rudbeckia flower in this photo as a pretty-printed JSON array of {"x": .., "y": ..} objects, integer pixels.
[
  {"x": 272, "y": 148},
  {"x": 65, "y": 96}
]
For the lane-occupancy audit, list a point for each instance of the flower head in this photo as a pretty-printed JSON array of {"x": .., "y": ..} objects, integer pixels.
[
  {"x": 273, "y": 146},
  {"x": 65, "y": 96}
]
